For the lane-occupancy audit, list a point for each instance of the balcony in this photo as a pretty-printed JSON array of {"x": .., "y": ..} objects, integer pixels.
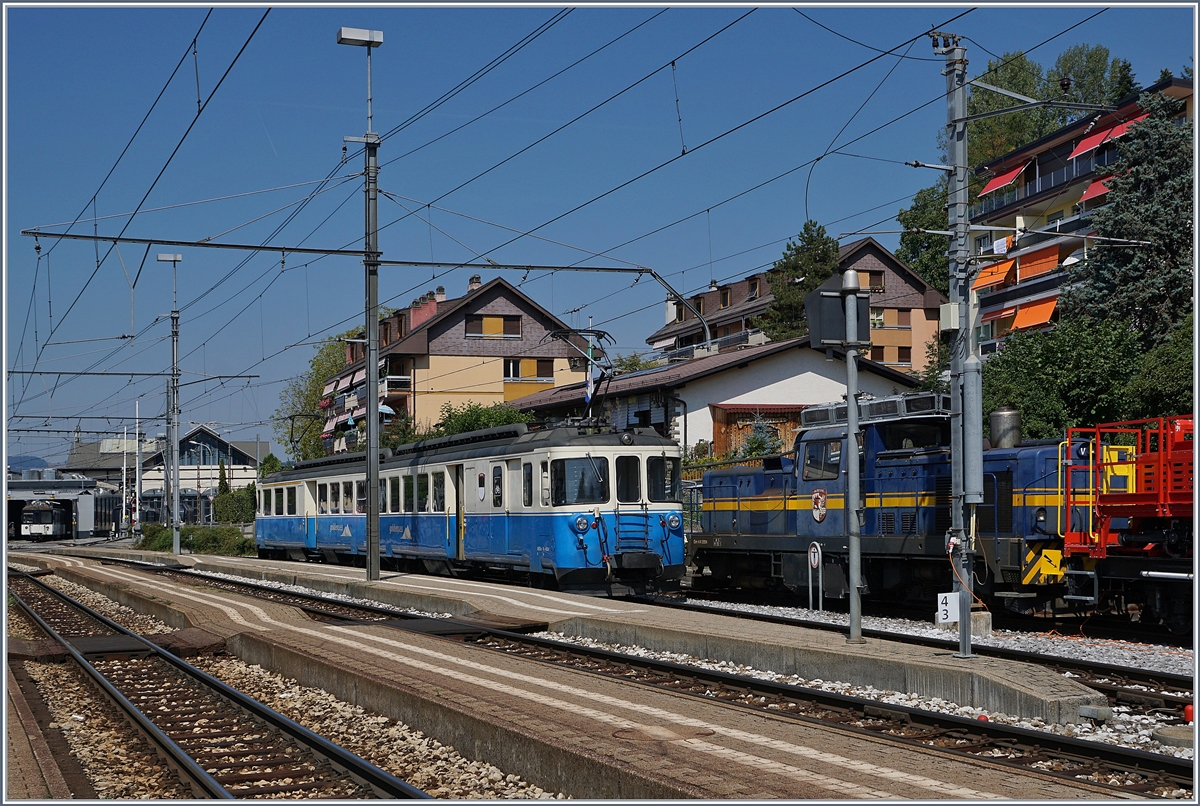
[
  {"x": 397, "y": 384},
  {"x": 1075, "y": 169}
]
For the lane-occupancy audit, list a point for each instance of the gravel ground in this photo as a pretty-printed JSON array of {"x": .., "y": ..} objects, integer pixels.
[
  {"x": 119, "y": 767},
  {"x": 118, "y": 763},
  {"x": 1117, "y": 653}
]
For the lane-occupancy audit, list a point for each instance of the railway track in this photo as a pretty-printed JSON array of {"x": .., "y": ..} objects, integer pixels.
[
  {"x": 1121, "y": 768},
  {"x": 1136, "y": 688},
  {"x": 220, "y": 743}
]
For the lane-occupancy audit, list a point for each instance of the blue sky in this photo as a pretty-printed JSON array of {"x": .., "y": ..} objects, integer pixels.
[{"x": 278, "y": 119}]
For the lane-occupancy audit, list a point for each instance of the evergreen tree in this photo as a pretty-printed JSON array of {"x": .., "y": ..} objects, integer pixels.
[
  {"x": 924, "y": 253},
  {"x": 1165, "y": 74},
  {"x": 1121, "y": 82},
  {"x": 269, "y": 464},
  {"x": 763, "y": 439},
  {"x": 937, "y": 363},
  {"x": 807, "y": 262},
  {"x": 1147, "y": 285},
  {"x": 222, "y": 479}
]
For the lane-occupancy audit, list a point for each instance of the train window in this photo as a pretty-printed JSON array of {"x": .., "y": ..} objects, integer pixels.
[
  {"x": 335, "y": 497},
  {"x": 423, "y": 492},
  {"x": 498, "y": 486},
  {"x": 897, "y": 436},
  {"x": 545, "y": 484},
  {"x": 291, "y": 500},
  {"x": 439, "y": 491},
  {"x": 279, "y": 502},
  {"x": 629, "y": 480},
  {"x": 361, "y": 499},
  {"x": 347, "y": 497},
  {"x": 266, "y": 507},
  {"x": 408, "y": 493},
  {"x": 527, "y": 484},
  {"x": 395, "y": 488},
  {"x": 323, "y": 499},
  {"x": 663, "y": 479},
  {"x": 382, "y": 496},
  {"x": 579, "y": 481},
  {"x": 822, "y": 460}
]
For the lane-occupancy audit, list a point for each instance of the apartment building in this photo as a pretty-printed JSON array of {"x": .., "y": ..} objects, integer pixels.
[
  {"x": 488, "y": 346},
  {"x": 1041, "y": 198},
  {"x": 904, "y": 311}
]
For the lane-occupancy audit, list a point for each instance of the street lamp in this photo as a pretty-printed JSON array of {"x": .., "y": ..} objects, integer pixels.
[
  {"x": 173, "y": 401},
  {"x": 368, "y": 39}
]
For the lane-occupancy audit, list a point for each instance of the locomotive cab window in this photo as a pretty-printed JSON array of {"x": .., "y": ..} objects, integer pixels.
[
  {"x": 629, "y": 473},
  {"x": 579, "y": 481},
  {"x": 663, "y": 480},
  {"x": 822, "y": 460},
  {"x": 323, "y": 499}
]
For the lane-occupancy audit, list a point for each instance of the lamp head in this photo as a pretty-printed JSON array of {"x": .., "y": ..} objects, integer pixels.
[
  {"x": 165, "y": 258},
  {"x": 360, "y": 36}
]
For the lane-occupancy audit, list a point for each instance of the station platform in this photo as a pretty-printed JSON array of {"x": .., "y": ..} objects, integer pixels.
[
  {"x": 30, "y": 769},
  {"x": 584, "y": 735}
]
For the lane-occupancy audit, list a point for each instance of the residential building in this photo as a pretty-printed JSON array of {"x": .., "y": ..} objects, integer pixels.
[
  {"x": 1044, "y": 194},
  {"x": 903, "y": 311},
  {"x": 491, "y": 345},
  {"x": 716, "y": 399}
]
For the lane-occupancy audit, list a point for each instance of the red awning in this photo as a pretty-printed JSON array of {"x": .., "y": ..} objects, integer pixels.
[
  {"x": 1095, "y": 189},
  {"x": 1003, "y": 180},
  {"x": 1095, "y": 140},
  {"x": 995, "y": 274},
  {"x": 1000, "y": 314},
  {"x": 1035, "y": 264}
]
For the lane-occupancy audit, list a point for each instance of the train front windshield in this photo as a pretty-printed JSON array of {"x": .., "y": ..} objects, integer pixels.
[
  {"x": 37, "y": 516},
  {"x": 664, "y": 483},
  {"x": 579, "y": 481}
]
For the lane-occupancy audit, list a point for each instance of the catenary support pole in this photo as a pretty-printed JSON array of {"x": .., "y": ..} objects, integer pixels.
[{"x": 853, "y": 508}]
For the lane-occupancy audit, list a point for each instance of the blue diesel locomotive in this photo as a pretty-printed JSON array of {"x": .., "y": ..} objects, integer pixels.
[
  {"x": 558, "y": 507},
  {"x": 756, "y": 524}
]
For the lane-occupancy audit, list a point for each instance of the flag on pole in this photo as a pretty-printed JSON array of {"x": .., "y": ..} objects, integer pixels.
[{"x": 591, "y": 381}]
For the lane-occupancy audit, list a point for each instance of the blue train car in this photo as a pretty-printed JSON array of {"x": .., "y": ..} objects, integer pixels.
[{"x": 560, "y": 506}]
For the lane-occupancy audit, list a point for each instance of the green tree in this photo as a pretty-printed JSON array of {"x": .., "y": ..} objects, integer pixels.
[
  {"x": 298, "y": 420},
  {"x": 1087, "y": 66},
  {"x": 1074, "y": 375},
  {"x": 807, "y": 262},
  {"x": 925, "y": 253},
  {"x": 1121, "y": 82},
  {"x": 763, "y": 439},
  {"x": 994, "y": 137},
  {"x": 236, "y": 506},
  {"x": 1165, "y": 74},
  {"x": 269, "y": 464},
  {"x": 937, "y": 363},
  {"x": 222, "y": 479},
  {"x": 474, "y": 416},
  {"x": 624, "y": 364},
  {"x": 400, "y": 431},
  {"x": 1163, "y": 385},
  {"x": 1147, "y": 284}
]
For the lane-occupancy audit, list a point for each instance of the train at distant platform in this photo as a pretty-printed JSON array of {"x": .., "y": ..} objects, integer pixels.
[
  {"x": 566, "y": 507},
  {"x": 1098, "y": 520}
]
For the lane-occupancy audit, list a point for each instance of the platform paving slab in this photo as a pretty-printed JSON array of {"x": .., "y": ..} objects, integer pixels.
[{"x": 993, "y": 684}]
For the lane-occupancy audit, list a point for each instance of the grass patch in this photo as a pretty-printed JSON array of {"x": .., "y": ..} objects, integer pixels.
[{"x": 227, "y": 541}]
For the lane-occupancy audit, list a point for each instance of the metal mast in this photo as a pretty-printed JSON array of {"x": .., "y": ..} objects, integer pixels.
[{"x": 370, "y": 141}]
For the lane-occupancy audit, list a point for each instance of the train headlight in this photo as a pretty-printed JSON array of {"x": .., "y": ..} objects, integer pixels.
[
  {"x": 673, "y": 521},
  {"x": 582, "y": 523},
  {"x": 1040, "y": 516}
]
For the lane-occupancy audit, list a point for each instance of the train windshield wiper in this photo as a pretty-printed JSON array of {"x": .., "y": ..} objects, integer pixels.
[{"x": 595, "y": 469}]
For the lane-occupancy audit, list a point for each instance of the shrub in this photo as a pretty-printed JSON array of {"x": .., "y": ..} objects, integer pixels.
[{"x": 223, "y": 540}]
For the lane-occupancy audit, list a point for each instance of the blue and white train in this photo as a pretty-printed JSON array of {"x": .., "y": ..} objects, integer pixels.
[{"x": 559, "y": 507}]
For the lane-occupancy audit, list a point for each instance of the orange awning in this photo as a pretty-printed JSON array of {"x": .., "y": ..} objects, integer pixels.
[
  {"x": 1035, "y": 264},
  {"x": 1003, "y": 180},
  {"x": 994, "y": 274},
  {"x": 1003, "y": 313},
  {"x": 1094, "y": 141},
  {"x": 1095, "y": 189},
  {"x": 1032, "y": 314}
]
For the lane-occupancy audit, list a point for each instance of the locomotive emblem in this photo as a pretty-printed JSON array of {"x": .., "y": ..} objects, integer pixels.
[{"x": 818, "y": 504}]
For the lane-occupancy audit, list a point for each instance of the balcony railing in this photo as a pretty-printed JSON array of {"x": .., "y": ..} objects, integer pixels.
[{"x": 1073, "y": 170}]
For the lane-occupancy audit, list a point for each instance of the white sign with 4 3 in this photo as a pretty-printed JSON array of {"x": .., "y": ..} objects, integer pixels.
[{"x": 947, "y": 609}]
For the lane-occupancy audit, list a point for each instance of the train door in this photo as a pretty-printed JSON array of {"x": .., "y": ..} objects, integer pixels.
[
  {"x": 457, "y": 530},
  {"x": 514, "y": 507},
  {"x": 820, "y": 488},
  {"x": 310, "y": 515},
  {"x": 498, "y": 511}
]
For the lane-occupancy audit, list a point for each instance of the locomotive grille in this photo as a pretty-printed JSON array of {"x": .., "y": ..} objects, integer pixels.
[
  {"x": 995, "y": 515},
  {"x": 887, "y": 523},
  {"x": 908, "y": 523},
  {"x": 941, "y": 503}
]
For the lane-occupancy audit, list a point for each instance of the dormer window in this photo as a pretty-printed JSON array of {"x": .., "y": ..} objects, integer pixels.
[
  {"x": 698, "y": 304},
  {"x": 679, "y": 312},
  {"x": 753, "y": 289},
  {"x": 724, "y": 297}
]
